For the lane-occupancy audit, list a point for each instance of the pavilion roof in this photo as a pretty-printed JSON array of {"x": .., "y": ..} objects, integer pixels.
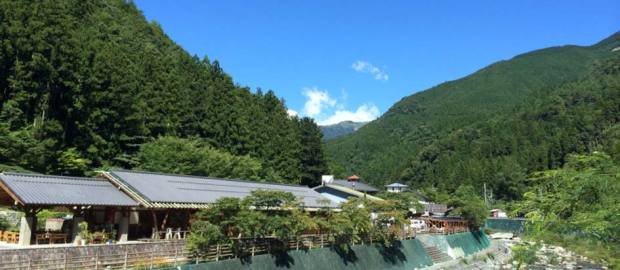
[
  {"x": 37, "y": 189},
  {"x": 161, "y": 190}
]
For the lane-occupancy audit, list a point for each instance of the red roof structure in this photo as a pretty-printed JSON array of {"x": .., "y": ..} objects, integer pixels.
[{"x": 353, "y": 178}]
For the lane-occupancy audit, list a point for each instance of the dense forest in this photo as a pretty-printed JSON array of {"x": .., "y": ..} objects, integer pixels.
[
  {"x": 495, "y": 126},
  {"x": 92, "y": 84},
  {"x": 578, "y": 117}
]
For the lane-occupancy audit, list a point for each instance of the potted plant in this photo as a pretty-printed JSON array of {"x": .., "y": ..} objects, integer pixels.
[
  {"x": 112, "y": 236},
  {"x": 84, "y": 234}
]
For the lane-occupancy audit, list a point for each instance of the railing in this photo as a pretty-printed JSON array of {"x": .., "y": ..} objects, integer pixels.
[
  {"x": 9, "y": 237},
  {"x": 154, "y": 254}
]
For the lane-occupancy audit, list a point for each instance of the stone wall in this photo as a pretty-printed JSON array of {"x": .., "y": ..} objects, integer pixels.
[{"x": 86, "y": 257}]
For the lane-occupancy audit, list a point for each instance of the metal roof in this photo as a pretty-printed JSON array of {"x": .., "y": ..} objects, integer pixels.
[
  {"x": 356, "y": 185},
  {"x": 37, "y": 189},
  {"x": 396, "y": 185},
  {"x": 161, "y": 190},
  {"x": 322, "y": 189},
  {"x": 435, "y": 207}
]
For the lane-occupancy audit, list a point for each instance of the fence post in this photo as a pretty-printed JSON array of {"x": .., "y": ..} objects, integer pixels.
[
  {"x": 217, "y": 252},
  {"x": 65, "y": 267},
  {"x": 152, "y": 257},
  {"x": 253, "y": 247},
  {"x": 175, "y": 254},
  {"x": 96, "y": 258},
  {"x": 125, "y": 262}
]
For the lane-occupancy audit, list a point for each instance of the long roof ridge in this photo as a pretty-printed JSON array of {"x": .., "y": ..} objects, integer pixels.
[
  {"x": 39, "y": 175},
  {"x": 206, "y": 177}
]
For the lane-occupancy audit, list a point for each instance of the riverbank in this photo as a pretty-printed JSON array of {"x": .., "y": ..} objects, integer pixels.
[{"x": 499, "y": 255}]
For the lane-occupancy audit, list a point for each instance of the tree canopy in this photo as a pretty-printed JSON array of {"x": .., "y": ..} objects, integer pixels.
[{"x": 84, "y": 83}]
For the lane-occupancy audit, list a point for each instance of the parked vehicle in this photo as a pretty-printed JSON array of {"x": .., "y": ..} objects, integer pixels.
[{"x": 418, "y": 225}]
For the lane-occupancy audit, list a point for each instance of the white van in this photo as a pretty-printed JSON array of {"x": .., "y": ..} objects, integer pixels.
[{"x": 418, "y": 225}]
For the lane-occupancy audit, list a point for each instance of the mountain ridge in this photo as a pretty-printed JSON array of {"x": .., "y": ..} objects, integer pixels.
[{"x": 384, "y": 147}]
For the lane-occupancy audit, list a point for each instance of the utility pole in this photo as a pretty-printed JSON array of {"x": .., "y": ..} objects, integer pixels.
[{"x": 485, "y": 195}]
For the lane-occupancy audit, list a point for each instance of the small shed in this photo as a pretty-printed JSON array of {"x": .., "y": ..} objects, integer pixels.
[{"x": 397, "y": 187}]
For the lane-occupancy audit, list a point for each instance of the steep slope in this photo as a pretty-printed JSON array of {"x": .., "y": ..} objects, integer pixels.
[
  {"x": 582, "y": 116},
  {"x": 84, "y": 83},
  {"x": 382, "y": 149},
  {"x": 340, "y": 129}
]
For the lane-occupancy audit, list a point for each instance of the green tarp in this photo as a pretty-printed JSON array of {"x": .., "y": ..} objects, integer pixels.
[
  {"x": 470, "y": 243},
  {"x": 515, "y": 226},
  {"x": 409, "y": 254}
]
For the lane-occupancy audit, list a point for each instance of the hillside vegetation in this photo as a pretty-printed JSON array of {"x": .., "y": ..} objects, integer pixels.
[
  {"x": 578, "y": 117},
  {"x": 436, "y": 137},
  {"x": 84, "y": 83}
]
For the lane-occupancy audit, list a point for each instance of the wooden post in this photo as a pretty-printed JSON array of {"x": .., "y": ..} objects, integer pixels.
[
  {"x": 155, "y": 233},
  {"x": 217, "y": 253},
  {"x": 163, "y": 223}
]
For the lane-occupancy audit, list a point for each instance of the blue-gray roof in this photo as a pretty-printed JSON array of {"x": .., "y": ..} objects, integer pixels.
[
  {"x": 176, "y": 191},
  {"x": 355, "y": 185},
  {"x": 36, "y": 189},
  {"x": 396, "y": 185}
]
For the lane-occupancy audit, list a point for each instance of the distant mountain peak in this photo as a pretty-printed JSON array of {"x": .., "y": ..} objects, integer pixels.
[{"x": 340, "y": 129}]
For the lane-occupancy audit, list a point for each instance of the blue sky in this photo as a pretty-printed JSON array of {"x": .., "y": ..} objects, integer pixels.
[{"x": 351, "y": 60}]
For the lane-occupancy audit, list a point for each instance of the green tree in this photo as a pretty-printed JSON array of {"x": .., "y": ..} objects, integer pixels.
[
  {"x": 194, "y": 157},
  {"x": 71, "y": 162},
  {"x": 468, "y": 204},
  {"x": 311, "y": 157}
]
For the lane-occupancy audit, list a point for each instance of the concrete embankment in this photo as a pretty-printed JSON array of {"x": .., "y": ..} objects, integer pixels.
[{"x": 407, "y": 254}]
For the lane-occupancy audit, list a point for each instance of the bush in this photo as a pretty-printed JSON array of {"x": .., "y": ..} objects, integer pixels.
[
  {"x": 525, "y": 254},
  {"x": 4, "y": 224}
]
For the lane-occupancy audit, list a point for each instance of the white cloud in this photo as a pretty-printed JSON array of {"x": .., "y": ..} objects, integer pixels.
[
  {"x": 292, "y": 113},
  {"x": 317, "y": 101},
  {"x": 364, "y": 113},
  {"x": 327, "y": 110},
  {"x": 366, "y": 67}
]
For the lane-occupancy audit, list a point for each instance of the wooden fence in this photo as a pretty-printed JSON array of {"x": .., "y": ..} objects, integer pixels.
[{"x": 152, "y": 254}]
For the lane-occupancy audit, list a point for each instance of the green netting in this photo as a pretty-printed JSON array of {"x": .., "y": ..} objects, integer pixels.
[
  {"x": 409, "y": 254},
  {"x": 469, "y": 242},
  {"x": 515, "y": 226}
]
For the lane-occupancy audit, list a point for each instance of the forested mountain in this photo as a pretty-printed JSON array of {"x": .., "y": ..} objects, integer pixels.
[
  {"x": 578, "y": 117},
  {"x": 84, "y": 83},
  {"x": 340, "y": 129},
  {"x": 494, "y": 126}
]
